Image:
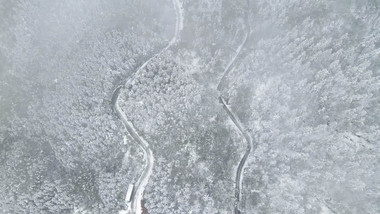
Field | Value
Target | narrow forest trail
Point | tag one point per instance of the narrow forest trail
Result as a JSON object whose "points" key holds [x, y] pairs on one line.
{"points": [[234, 118], [137, 195]]}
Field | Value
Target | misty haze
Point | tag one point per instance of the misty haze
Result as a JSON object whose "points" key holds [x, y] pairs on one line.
{"points": [[190, 106]]}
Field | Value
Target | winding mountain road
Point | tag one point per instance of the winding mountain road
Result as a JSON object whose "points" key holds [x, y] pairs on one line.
{"points": [[248, 139], [229, 67], [235, 119], [137, 195]]}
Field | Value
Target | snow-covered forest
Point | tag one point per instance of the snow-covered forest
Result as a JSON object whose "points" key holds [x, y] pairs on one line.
{"points": [[202, 106]]}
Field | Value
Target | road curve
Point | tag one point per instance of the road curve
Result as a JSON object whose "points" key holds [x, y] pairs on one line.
{"points": [[248, 139], [235, 119], [229, 67], [140, 185]]}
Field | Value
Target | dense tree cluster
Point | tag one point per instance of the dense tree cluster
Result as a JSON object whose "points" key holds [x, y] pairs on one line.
{"points": [[62, 142], [305, 86], [310, 94], [162, 92], [163, 102], [195, 180]]}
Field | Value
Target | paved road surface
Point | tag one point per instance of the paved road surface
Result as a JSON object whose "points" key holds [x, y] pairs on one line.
{"points": [[137, 195], [235, 120]]}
